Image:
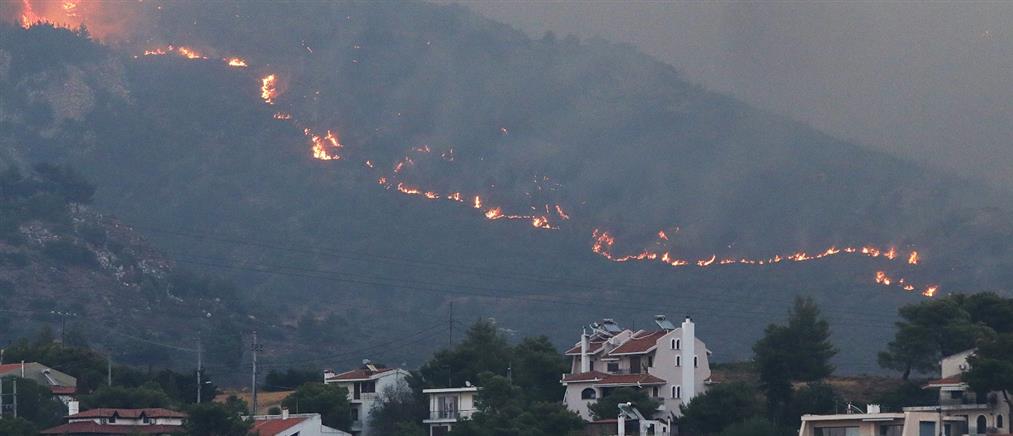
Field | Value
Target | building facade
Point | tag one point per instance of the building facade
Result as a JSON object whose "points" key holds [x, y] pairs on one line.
{"points": [[155, 421], [671, 364], [447, 406], [296, 424], [959, 411], [365, 385]]}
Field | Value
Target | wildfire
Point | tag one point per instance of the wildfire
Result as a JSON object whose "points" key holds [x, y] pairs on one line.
{"points": [[236, 62], [494, 213], [268, 89], [320, 145], [282, 116], [561, 213], [662, 235], [477, 202], [28, 16], [913, 258], [185, 52]]}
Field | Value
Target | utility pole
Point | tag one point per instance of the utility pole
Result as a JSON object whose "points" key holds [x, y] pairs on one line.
{"points": [[15, 380], [253, 389], [200, 366], [451, 324], [1, 397], [109, 370]]}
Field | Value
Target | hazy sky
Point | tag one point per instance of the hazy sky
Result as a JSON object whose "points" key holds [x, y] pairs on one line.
{"points": [[930, 81]]}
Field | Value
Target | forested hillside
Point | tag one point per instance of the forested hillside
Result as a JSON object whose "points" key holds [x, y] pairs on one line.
{"points": [[223, 178]]}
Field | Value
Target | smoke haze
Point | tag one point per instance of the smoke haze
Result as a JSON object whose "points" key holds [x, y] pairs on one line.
{"points": [[926, 81]]}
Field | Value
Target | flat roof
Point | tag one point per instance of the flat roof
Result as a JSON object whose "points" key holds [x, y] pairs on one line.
{"points": [[450, 390]]}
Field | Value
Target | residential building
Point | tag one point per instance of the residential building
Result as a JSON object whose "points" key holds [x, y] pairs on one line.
{"points": [[364, 386], [449, 405], [153, 421], [670, 363], [61, 385], [296, 424], [960, 411]]}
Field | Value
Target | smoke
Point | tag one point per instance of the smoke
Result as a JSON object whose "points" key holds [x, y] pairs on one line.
{"points": [[924, 81]]}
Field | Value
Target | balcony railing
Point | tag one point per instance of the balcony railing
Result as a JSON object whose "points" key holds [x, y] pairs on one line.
{"points": [[449, 414]]}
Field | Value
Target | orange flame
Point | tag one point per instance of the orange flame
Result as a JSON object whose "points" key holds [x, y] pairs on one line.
{"points": [[662, 235], [282, 116], [913, 258], [236, 62], [268, 89]]}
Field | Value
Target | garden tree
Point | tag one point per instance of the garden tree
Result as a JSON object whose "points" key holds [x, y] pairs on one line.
{"points": [[330, 401], [537, 367], [816, 398], [992, 367], [755, 426], [720, 406], [238, 406], [607, 407], [290, 379], [121, 397], [908, 394], [36, 403], [10, 426], [932, 329], [798, 351], [483, 349], [213, 419], [399, 409], [502, 410]]}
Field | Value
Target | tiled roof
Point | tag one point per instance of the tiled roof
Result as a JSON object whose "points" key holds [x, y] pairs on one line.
{"points": [[10, 367], [359, 374], [592, 348], [129, 413], [951, 380], [600, 378], [63, 390], [641, 342], [89, 427], [269, 427]]}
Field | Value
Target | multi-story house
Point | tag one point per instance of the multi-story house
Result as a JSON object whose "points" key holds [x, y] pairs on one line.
{"points": [[63, 386], [364, 386], [670, 363], [447, 406], [960, 411], [119, 421]]}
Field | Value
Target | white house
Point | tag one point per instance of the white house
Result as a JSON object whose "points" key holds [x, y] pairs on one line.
{"points": [[671, 363], [959, 412], [364, 386], [296, 424], [447, 406], [154, 421]]}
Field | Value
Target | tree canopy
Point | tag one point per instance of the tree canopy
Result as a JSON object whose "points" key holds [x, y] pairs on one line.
{"points": [[330, 401]]}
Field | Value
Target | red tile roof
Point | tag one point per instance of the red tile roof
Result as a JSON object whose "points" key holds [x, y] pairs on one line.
{"points": [[269, 427], [359, 374], [600, 378], [129, 413], [89, 427], [640, 343], [951, 380], [63, 390], [592, 348], [10, 367]]}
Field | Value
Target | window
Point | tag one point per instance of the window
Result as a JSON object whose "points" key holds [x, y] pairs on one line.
{"points": [[369, 387], [998, 421], [635, 365], [956, 395], [676, 391], [926, 428], [112, 419], [836, 431], [981, 425], [650, 361], [696, 362], [588, 394], [355, 414], [145, 419], [891, 430], [673, 345], [678, 360], [613, 367], [654, 392]]}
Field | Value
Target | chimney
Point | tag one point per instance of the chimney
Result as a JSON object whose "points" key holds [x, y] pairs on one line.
{"points": [[688, 351], [585, 360], [22, 369], [73, 408], [284, 413]]}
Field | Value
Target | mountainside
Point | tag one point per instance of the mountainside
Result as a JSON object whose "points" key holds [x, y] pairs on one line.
{"points": [[213, 163]]}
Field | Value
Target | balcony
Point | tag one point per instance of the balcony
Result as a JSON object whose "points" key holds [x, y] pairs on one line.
{"points": [[448, 415]]}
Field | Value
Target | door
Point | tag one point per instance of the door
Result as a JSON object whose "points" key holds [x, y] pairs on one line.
{"points": [[635, 365]]}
